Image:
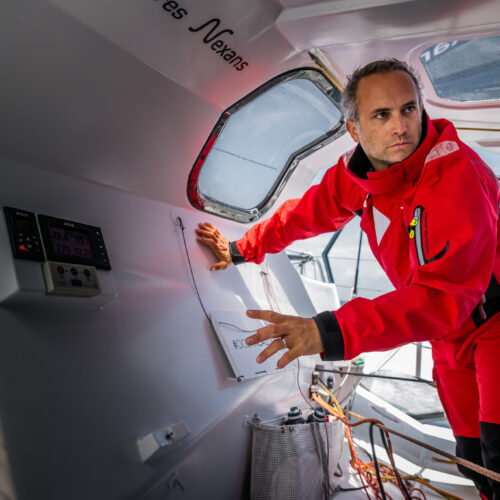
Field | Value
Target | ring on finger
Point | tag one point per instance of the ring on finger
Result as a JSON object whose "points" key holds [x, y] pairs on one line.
{"points": [[284, 342]]}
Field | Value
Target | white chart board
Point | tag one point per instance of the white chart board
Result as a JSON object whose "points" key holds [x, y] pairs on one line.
{"points": [[232, 328]]}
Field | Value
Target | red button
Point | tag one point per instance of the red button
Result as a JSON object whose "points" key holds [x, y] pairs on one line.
{"points": [[22, 247], [60, 270]]}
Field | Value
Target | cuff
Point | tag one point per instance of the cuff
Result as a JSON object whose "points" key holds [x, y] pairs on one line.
{"points": [[331, 336], [236, 256]]}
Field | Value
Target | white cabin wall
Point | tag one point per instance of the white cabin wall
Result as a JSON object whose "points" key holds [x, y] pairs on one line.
{"points": [[78, 388]]}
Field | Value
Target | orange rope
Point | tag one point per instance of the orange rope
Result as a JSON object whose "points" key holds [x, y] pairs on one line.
{"points": [[365, 470]]}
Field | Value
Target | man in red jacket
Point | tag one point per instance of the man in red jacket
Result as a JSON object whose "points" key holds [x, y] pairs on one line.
{"points": [[429, 207]]}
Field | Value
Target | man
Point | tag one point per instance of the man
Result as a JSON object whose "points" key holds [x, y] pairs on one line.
{"points": [[429, 207]]}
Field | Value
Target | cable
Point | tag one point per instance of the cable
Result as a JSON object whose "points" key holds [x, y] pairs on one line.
{"points": [[366, 472], [481, 470], [388, 448], [356, 488], [334, 399], [181, 225], [300, 388], [375, 461], [236, 327], [386, 361], [374, 375]]}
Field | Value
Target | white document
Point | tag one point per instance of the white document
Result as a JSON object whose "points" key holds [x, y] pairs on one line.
{"points": [[232, 328]]}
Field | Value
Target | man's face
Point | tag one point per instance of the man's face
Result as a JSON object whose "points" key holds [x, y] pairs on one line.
{"points": [[389, 118]]}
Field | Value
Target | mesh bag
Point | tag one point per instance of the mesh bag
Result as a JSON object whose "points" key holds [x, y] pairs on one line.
{"points": [[294, 462]]}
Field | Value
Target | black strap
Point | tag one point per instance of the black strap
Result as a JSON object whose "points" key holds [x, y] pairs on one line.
{"points": [[489, 304]]}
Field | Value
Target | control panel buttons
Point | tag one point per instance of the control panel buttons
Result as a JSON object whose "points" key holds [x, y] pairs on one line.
{"points": [[64, 279]]}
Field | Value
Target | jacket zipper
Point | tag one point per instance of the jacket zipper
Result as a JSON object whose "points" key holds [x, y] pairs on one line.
{"points": [[417, 228], [416, 233]]}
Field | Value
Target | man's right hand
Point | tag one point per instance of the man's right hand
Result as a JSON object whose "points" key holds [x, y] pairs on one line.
{"points": [[210, 236]]}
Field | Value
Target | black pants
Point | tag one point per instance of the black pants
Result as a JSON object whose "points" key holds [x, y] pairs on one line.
{"points": [[482, 451]]}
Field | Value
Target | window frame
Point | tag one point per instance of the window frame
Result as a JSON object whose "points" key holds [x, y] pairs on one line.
{"points": [[208, 204]]}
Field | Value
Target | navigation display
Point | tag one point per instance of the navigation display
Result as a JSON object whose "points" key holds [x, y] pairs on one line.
{"points": [[69, 242], [73, 242]]}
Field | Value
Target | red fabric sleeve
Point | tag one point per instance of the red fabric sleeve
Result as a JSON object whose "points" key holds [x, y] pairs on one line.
{"points": [[325, 207]]}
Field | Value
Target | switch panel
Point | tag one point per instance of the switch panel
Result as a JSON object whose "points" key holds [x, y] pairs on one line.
{"points": [[23, 234], [70, 279]]}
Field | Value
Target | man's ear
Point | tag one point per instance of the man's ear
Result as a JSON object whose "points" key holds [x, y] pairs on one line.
{"points": [[352, 129]]}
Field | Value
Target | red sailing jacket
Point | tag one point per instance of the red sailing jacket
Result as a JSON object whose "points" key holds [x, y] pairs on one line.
{"points": [[431, 222]]}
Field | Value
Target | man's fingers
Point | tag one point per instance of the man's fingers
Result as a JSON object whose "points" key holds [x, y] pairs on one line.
{"points": [[301, 335], [205, 225], [276, 346], [220, 266], [208, 242], [265, 333], [271, 316], [287, 358], [204, 233], [271, 349]]}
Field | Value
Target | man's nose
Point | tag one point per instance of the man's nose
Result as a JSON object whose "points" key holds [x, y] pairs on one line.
{"points": [[399, 124]]}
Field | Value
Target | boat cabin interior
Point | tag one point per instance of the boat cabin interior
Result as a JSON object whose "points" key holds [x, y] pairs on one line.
{"points": [[126, 123]]}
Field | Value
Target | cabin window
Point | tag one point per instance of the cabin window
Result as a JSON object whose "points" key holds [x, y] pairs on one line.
{"points": [[465, 70], [258, 142]]}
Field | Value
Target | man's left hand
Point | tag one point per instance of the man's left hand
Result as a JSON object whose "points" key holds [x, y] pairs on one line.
{"points": [[300, 336]]}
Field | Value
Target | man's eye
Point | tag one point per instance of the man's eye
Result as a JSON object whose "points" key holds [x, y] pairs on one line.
{"points": [[410, 109], [381, 116]]}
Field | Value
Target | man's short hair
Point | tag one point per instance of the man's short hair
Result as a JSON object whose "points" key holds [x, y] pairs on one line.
{"points": [[348, 103]]}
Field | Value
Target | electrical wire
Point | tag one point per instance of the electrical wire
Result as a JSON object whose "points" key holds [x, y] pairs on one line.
{"points": [[386, 360], [355, 461], [375, 462], [356, 488], [271, 297], [181, 226], [236, 327], [388, 448], [374, 375], [367, 470], [300, 388]]}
